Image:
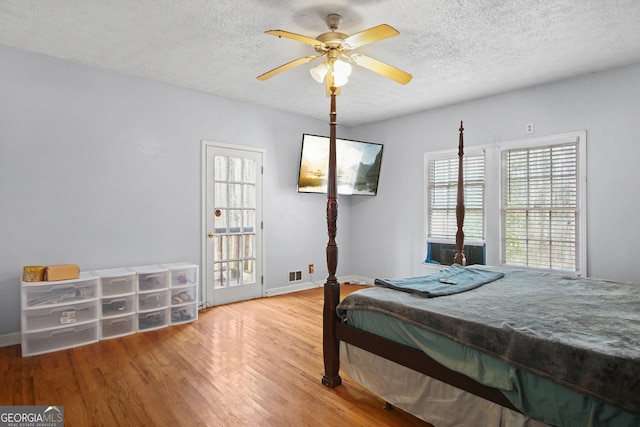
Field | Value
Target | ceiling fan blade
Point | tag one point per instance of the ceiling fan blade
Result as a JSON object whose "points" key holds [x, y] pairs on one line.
{"points": [[371, 35], [286, 66], [381, 68], [298, 37]]}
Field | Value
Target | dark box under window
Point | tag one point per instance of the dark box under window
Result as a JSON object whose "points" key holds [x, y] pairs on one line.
{"points": [[443, 253]]}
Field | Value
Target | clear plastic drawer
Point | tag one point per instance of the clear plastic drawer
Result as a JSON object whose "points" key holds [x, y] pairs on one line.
{"points": [[153, 300], [183, 274], [61, 292], [54, 317], [152, 320], [117, 281], [184, 295], [59, 339], [152, 278], [117, 326], [117, 306], [184, 313]]}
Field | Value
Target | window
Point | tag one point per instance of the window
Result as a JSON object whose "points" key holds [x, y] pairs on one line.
{"points": [[524, 202], [442, 184], [443, 191], [540, 212]]}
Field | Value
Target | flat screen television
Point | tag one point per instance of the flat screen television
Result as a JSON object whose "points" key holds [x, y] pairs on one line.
{"points": [[357, 166]]}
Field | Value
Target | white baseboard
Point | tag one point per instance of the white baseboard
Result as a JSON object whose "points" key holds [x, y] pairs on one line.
{"points": [[12, 338], [317, 284], [292, 288]]}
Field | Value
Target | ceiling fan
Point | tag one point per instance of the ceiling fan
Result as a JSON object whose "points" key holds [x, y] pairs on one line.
{"points": [[337, 48]]}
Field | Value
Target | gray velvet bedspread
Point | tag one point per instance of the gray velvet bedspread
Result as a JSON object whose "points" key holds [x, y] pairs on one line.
{"points": [[582, 333]]}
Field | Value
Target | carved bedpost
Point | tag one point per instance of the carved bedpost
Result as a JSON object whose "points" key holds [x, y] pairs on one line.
{"points": [[330, 343], [459, 258]]}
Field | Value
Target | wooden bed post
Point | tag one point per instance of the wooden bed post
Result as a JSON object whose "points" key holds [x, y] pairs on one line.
{"points": [[330, 344], [459, 258]]}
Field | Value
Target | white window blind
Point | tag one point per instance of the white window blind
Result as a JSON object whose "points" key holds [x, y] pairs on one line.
{"points": [[442, 197], [540, 206]]}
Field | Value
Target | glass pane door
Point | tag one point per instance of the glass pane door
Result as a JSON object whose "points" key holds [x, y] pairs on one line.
{"points": [[234, 223]]}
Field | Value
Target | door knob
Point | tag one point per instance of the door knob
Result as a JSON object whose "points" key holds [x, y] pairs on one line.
{"points": [[210, 235]]}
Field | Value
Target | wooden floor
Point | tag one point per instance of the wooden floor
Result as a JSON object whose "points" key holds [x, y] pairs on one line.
{"points": [[255, 363]]}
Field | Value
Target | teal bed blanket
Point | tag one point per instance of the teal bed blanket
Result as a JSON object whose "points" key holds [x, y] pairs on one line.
{"points": [[449, 281], [539, 398], [582, 334]]}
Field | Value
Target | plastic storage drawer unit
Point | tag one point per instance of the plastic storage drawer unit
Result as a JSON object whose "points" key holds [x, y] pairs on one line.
{"points": [[118, 306], [117, 281], [183, 274], [104, 304], [184, 313], [153, 300], [37, 294], [57, 316], [152, 320], [184, 295], [59, 339], [152, 277], [117, 326]]}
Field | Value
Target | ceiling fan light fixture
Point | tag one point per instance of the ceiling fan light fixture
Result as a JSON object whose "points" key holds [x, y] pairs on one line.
{"points": [[339, 80], [319, 72], [341, 72], [341, 68]]}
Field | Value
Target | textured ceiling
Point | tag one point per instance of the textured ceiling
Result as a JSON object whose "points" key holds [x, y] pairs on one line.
{"points": [[455, 50]]}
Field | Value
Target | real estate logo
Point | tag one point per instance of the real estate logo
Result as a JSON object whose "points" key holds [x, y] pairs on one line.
{"points": [[31, 416]]}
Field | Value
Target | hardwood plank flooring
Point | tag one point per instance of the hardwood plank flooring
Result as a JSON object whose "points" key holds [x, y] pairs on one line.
{"points": [[253, 363]]}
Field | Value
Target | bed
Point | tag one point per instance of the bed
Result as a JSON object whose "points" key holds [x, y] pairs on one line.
{"points": [[565, 352]]}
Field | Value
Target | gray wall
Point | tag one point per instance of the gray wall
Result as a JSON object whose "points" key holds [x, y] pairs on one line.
{"points": [[103, 170], [606, 105]]}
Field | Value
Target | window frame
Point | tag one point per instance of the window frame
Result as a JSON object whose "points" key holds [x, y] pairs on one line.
{"points": [[493, 195], [449, 155], [579, 138]]}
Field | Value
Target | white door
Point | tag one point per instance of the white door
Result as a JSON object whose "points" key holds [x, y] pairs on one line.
{"points": [[232, 220]]}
